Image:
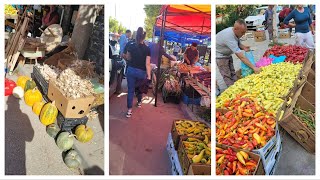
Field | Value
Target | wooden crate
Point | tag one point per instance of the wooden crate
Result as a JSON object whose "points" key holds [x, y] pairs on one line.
{"points": [[259, 170], [185, 162], [300, 132], [308, 92], [311, 77], [304, 104]]}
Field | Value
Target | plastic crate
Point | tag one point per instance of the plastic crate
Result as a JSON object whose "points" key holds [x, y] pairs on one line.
{"points": [[174, 159], [187, 100], [68, 124]]}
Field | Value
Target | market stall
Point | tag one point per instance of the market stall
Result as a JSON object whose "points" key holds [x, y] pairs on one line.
{"points": [[187, 19], [258, 104]]}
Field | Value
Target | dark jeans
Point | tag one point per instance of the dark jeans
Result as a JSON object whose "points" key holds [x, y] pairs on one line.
{"points": [[134, 77]]}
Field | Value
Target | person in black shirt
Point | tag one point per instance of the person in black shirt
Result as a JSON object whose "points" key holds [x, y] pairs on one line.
{"points": [[137, 55]]}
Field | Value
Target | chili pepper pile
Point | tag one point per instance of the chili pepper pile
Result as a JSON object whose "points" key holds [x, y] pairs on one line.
{"points": [[198, 151], [269, 86], [229, 162], [246, 125], [293, 53], [307, 117]]}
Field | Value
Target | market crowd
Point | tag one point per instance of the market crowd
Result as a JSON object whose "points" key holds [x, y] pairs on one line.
{"points": [[141, 57]]}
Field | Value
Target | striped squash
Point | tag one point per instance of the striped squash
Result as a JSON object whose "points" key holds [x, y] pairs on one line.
{"points": [[32, 96], [37, 106], [48, 114], [30, 84], [22, 81]]}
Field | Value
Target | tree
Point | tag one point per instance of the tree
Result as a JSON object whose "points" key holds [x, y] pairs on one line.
{"points": [[231, 13], [115, 26], [152, 11]]}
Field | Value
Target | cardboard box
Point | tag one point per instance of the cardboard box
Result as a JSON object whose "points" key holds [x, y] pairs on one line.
{"points": [[259, 170], [69, 108], [259, 36], [308, 92], [294, 99], [300, 132], [199, 169], [185, 162], [284, 35], [176, 136]]}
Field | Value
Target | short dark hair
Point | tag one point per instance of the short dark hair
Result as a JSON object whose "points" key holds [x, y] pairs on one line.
{"points": [[128, 31], [194, 44], [241, 22]]}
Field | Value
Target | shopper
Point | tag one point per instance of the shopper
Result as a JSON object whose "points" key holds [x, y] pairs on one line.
{"points": [[303, 26], [157, 50], [176, 49], [228, 43], [124, 38], [191, 55], [283, 14], [269, 21], [137, 55]]}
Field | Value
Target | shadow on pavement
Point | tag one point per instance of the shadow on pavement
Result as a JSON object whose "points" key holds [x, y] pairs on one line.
{"points": [[18, 131], [95, 170]]}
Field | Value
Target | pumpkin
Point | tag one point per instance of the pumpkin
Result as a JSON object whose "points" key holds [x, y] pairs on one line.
{"points": [[22, 81], [84, 133], [65, 141], [37, 106], [18, 92], [72, 159], [30, 84], [53, 130], [48, 114], [32, 96]]}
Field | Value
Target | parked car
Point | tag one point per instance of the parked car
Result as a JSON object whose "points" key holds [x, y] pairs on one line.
{"points": [[258, 17]]}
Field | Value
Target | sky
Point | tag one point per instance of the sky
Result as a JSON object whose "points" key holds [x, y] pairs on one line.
{"points": [[131, 16]]}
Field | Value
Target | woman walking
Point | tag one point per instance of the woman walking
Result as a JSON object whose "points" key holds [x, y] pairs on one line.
{"points": [[303, 26], [137, 55]]}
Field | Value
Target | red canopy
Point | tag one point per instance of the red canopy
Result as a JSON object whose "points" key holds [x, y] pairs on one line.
{"points": [[190, 19]]}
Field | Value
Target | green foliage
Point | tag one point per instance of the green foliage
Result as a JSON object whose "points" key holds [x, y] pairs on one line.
{"points": [[152, 11], [115, 26], [231, 13]]}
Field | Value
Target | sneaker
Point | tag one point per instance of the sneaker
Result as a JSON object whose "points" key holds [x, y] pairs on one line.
{"points": [[129, 114], [139, 104]]}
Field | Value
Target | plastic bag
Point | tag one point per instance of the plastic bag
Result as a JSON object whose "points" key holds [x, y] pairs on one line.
{"points": [[246, 70], [277, 59], [264, 61]]}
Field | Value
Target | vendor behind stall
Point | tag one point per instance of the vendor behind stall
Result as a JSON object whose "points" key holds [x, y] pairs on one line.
{"points": [[191, 55], [227, 43]]}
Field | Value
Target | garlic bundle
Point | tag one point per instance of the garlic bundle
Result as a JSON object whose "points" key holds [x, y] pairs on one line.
{"points": [[48, 72], [72, 86]]}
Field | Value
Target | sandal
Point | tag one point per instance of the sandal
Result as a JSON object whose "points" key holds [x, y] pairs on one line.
{"points": [[139, 104], [129, 114]]}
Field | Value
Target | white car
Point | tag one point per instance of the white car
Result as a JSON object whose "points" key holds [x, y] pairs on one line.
{"points": [[258, 18]]}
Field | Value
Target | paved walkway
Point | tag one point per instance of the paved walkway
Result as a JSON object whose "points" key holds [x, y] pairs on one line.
{"points": [[138, 144], [29, 150]]}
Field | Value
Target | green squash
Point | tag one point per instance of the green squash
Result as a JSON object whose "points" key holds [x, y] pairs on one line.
{"points": [[53, 130], [65, 141], [72, 159], [30, 84]]}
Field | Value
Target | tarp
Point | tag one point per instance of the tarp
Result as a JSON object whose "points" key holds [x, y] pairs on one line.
{"points": [[182, 37], [189, 19]]}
